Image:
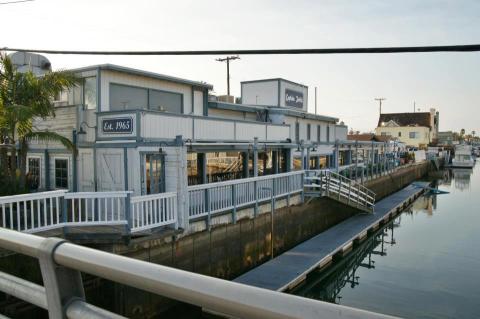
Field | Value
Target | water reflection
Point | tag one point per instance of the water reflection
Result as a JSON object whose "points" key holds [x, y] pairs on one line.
{"points": [[459, 176], [328, 285]]}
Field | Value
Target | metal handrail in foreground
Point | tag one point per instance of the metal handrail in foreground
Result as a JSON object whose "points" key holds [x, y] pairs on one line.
{"points": [[60, 259]]}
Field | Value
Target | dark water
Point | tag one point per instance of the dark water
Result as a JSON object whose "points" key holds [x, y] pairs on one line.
{"points": [[424, 264]]}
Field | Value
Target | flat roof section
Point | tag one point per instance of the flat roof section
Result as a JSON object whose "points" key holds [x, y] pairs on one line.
{"points": [[274, 79], [254, 108]]}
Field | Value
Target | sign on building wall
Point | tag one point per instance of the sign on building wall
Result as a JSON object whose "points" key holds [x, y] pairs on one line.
{"points": [[121, 125], [293, 98]]}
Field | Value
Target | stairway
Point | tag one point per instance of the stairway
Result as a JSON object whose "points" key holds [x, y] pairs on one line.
{"points": [[319, 183]]}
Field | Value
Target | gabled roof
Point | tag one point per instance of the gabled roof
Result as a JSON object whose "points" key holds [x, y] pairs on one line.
{"points": [[406, 119], [123, 69]]}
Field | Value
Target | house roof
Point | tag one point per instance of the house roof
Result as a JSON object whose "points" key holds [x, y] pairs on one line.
{"points": [[123, 69], [369, 137], [406, 119]]}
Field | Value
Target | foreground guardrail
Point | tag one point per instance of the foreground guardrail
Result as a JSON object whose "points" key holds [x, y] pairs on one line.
{"points": [[64, 297]]}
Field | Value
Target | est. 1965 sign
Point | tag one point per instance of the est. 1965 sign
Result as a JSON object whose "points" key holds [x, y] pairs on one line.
{"points": [[122, 125], [293, 98]]}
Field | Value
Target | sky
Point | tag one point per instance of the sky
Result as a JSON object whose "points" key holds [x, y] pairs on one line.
{"points": [[347, 84]]}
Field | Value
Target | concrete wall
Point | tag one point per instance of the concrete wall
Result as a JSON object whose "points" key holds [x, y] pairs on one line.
{"points": [[385, 185]]}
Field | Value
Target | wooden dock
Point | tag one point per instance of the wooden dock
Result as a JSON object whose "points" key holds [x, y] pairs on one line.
{"points": [[291, 268]]}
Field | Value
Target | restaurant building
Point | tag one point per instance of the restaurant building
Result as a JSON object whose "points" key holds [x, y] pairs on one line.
{"points": [[149, 133]]}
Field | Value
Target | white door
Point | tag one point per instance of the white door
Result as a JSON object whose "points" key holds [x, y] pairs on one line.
{"points": [[85, 170], [110, 170]]}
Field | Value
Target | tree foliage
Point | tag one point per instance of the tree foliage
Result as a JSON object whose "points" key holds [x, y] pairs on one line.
{"points": [[24, 97]]}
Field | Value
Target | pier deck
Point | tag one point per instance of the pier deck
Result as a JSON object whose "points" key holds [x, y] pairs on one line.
{"points": [[290, 268]]}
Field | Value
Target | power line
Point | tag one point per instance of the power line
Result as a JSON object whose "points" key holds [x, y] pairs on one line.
{"points": [[376, 50], [12, 2]]}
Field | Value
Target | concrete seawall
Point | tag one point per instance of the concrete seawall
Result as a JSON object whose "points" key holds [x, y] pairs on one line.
{"points": [[226, 251]]}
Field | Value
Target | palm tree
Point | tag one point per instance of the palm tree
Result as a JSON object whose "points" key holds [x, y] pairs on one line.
{"points": [[24, 97]]}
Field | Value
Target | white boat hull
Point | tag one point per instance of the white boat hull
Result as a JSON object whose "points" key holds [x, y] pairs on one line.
{"points": [[468, 164]]}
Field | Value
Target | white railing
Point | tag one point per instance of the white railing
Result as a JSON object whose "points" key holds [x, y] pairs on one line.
{"points": [[38, 212], [154, 210], [212, 198], [95, 208], [32, 212], [340, 187]]}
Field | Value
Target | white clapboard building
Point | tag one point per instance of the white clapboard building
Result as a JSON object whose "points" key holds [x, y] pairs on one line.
{"points": [[150, 133]]}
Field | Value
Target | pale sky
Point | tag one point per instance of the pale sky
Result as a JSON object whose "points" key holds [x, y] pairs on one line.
{"points": [[347, 85]]}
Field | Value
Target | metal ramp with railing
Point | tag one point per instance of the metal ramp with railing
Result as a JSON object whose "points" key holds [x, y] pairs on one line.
{"points": [[319, 183]]}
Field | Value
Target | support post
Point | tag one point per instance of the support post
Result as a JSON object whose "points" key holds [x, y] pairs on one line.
{"points": [[128, 213], [234, 204], [208, 208], [275, 161], [307, 162], [245, 164], [62, 285], [255, 157]]}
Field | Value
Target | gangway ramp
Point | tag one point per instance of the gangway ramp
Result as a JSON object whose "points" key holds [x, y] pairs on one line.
{"points": [[319, 183], [291, 268]]}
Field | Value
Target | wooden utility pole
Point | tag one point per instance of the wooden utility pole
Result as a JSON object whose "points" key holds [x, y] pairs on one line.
{"points": [[380, 99], [227, 59]]}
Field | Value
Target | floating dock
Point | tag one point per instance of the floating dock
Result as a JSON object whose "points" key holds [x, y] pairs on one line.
{"points": [[291, 268]]}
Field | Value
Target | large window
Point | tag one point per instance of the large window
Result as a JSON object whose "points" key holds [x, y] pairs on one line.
{"points": [[328, 133], [319, 135], [224, 166], [33, 176], [89, 93], [123, 97], [165, 101], [309, 131], [61, 173]]}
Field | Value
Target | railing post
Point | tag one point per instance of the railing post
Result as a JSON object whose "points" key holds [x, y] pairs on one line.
{"points": [[64, 215], [303, 187], [128, 212], [288, 191], [234, 203], [62, 285], [208, 207], [255, 210], [349, 191]]}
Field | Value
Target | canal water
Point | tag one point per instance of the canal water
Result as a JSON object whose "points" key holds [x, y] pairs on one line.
{"points": [[424, 264]]}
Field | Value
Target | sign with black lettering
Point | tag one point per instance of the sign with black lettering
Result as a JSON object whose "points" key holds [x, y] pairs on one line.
{"points": [[120, 125], [293, 98]]}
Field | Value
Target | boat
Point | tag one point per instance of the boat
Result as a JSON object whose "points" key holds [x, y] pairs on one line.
{"points": [[463, 156]]}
